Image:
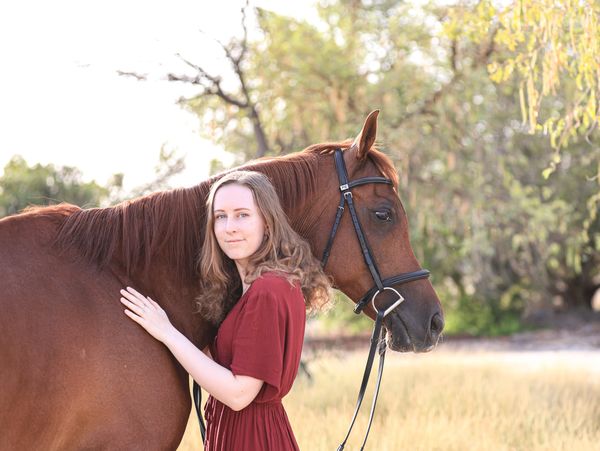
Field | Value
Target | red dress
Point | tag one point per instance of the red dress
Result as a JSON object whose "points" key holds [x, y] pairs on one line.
{"points": [[261, 337]]}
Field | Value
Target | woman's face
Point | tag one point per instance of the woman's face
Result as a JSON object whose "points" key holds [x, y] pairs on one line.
{"points": [[239, 226]]}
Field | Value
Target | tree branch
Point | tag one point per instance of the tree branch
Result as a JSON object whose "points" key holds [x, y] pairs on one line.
{"points": [[236, 52], [483, 56], [139, 77]]}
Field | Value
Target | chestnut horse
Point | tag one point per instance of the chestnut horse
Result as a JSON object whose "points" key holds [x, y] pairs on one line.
{"points": [[75, 373]]}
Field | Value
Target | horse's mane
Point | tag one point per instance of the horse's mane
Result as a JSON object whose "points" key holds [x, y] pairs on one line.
{"points": [[170, 224], [166, 223]]}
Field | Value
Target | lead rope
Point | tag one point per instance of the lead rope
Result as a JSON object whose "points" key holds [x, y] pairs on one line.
{"points": [[376, 339]]}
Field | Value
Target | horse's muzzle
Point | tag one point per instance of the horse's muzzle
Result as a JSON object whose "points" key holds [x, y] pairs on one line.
{"points": [[402, 337]]}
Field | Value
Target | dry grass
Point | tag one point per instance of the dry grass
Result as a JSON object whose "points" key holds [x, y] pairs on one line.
{"points": [[451, 401]]}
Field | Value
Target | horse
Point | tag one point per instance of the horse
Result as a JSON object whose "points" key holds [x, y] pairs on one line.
{"points": [[77, 374]]}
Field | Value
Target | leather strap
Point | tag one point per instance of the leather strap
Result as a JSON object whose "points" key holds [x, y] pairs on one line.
{"points": [[382, 348], [346, 198], [366, 250], [395, 280], [197, 392], [336, 224], [367, 180], [377, 337]]}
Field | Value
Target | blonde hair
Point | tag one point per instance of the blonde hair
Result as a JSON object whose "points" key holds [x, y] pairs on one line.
{"points": [[282, 250]]}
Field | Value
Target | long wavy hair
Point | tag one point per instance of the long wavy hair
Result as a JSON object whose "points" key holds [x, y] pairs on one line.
{"points": [[282, 251]]}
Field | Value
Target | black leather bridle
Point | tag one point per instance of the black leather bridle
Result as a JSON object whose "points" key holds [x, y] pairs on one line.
{"points": [[378, 335], [346, 198], [381, 285]]}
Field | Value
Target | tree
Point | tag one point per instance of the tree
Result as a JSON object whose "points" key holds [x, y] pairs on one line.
{"points": [[553, 49], [502, 241], [170, 163], [215, 102], [22, 186]]}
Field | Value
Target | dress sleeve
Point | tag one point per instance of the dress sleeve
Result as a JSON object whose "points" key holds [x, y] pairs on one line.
{"points": [[259, 342]]}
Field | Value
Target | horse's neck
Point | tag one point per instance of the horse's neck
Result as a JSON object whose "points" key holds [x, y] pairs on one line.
{"points": [[170, 275], [176, 297], [306, 213]]}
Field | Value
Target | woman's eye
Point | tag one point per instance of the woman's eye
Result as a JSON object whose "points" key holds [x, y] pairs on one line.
{"points": [[383, 215], [219, 216]]}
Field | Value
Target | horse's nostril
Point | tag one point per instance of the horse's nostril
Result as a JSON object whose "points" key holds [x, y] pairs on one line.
{"points": [[437, 324]]}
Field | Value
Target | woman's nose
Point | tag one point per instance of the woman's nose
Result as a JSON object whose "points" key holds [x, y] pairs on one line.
{"points": [[230, 226]]}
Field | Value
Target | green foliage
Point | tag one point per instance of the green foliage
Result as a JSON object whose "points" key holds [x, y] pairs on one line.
{"points": [[342, 319], [22, 186], [472, 316], [553, 48]]}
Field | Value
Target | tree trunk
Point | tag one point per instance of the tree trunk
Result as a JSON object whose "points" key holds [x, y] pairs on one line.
{"points": [[259, 133]]}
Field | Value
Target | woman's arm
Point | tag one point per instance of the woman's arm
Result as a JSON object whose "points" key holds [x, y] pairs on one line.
{"points": [[234, 391]]}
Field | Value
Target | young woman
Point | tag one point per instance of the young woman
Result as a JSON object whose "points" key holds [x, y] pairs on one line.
{"points": [[255, 269]]}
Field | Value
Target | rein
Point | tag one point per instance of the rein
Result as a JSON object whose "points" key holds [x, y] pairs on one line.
{"points": [[381, 285], [197, 392]]}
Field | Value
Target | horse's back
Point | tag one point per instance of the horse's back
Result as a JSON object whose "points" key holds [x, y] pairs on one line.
{"points": [[72, 363]]}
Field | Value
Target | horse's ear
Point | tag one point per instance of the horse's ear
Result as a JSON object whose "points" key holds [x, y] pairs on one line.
{"points": [[367, 135]]}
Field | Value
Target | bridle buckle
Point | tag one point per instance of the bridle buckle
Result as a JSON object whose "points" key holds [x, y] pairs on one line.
{"points": [[391, 307]]}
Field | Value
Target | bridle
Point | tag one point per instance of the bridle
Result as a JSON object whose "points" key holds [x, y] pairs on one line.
{"points": [[381, 285], [346, 198], [377, 337]]}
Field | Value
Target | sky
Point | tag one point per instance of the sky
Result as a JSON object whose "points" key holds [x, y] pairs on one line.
{"points": [[62, 101]]}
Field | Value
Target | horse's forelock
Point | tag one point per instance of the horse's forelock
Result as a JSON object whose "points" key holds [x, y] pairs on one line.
{"points": [[379, 159], [385, 165]]}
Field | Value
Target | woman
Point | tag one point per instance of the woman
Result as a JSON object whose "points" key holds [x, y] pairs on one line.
{"points": [[250, 253]]}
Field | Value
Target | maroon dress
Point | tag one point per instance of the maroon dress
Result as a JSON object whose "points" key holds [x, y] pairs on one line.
{"points": [[261, 337]]}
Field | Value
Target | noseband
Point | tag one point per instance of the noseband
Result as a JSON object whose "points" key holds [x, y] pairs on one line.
{"points": [[378, 335]]}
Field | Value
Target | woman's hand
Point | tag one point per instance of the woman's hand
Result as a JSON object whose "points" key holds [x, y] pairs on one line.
{"points": [[147, 314]]}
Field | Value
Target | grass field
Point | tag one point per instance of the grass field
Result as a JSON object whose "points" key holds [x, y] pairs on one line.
{"points": [[450, 401]]}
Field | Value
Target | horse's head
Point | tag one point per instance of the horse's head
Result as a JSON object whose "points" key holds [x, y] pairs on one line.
{"points": [[377, 229]]}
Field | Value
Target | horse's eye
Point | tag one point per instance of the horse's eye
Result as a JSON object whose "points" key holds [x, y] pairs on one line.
{"points": [[383, 215]]}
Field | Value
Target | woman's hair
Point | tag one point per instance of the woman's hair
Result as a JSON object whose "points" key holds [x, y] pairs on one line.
{"points": [[282, 250]]}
